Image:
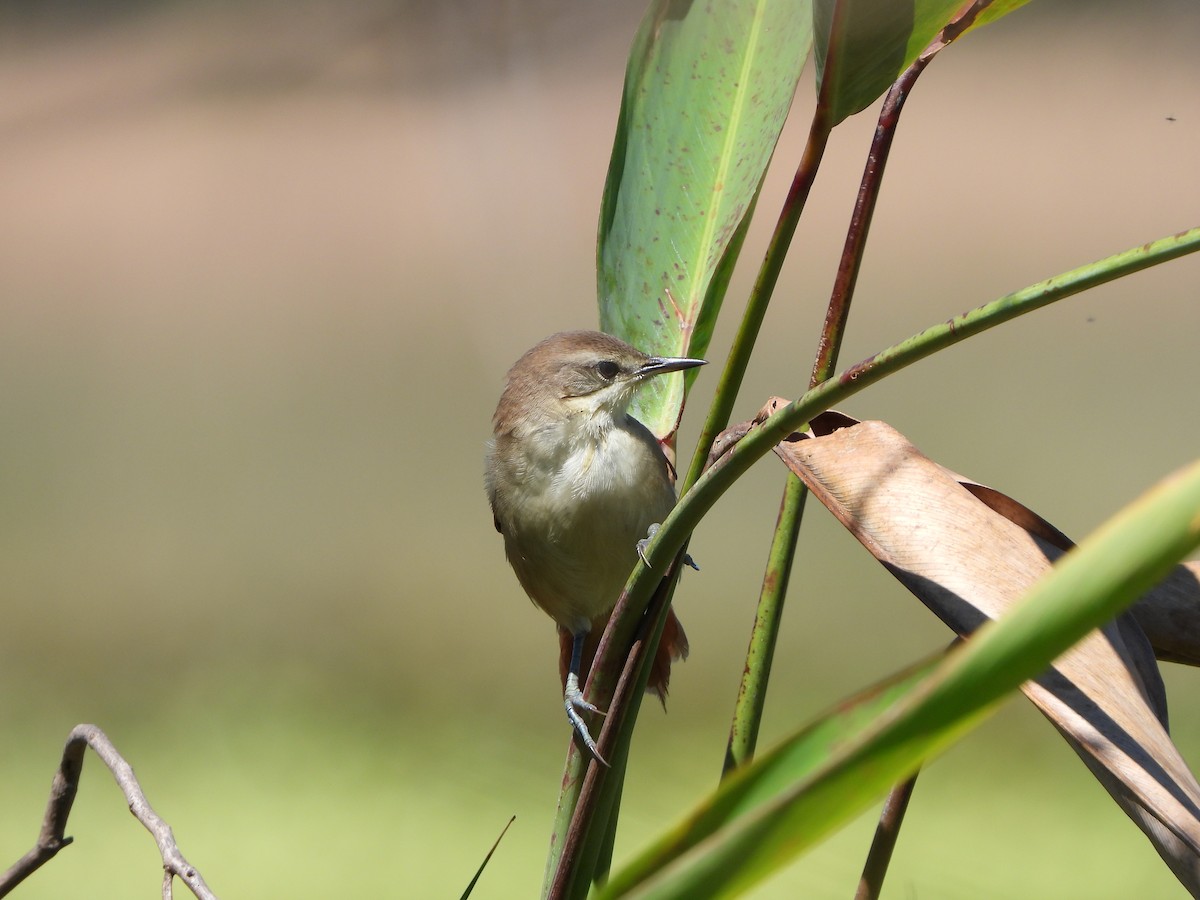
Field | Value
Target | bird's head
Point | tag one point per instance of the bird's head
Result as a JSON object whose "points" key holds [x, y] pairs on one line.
{"points": [[585, 374]]}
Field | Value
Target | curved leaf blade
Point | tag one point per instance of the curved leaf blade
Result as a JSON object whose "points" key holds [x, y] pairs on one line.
{"points": [[707, 91]]}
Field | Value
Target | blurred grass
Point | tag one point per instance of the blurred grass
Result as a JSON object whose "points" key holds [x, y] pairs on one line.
{"points": [[260, 284]]}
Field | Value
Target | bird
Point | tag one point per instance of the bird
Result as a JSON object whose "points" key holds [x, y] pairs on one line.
{"points": [[576, 484]]}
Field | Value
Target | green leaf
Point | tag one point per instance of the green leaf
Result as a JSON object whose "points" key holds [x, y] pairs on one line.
{"points": [[862, 46], [997, 9], [707, 91], [822, 777]]}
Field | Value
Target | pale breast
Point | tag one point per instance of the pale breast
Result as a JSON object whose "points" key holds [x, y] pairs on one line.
{"points": [[571, 536]]}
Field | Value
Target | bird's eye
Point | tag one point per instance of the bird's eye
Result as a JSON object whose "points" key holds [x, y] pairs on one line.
{"points": [[607, 369]]}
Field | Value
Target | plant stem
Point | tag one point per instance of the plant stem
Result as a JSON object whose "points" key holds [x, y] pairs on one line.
{"points": [[748, 710], [886, 834], [760, 296], [762, 437], [752, 692], [587, 800]]}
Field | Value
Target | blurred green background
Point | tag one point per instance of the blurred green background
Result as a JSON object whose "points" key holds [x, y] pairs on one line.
{"points": [[262, 269]]}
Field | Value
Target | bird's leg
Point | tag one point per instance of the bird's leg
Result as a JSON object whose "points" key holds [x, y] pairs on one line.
{"points": [[645, 542], [573, 698]]}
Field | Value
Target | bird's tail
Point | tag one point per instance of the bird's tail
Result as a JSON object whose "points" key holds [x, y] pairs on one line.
{"points": [[672, 646]]}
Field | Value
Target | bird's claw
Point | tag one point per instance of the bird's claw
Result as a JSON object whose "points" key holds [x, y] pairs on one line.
{"points": [[645, 542], [574, 701]]}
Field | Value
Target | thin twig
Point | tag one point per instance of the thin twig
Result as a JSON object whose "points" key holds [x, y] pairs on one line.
{"points": [[51, 839]]}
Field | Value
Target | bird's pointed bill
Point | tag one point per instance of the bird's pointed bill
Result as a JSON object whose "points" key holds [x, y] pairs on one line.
{"points": [[660, 365]]}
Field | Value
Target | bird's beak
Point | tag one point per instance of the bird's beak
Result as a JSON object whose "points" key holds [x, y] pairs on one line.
{"points": [[660, 365]]}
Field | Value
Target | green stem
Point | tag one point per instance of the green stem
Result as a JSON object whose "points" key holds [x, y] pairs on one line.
{"points": [[748, 709], [758, 442], [760, 297], [752, 693]]}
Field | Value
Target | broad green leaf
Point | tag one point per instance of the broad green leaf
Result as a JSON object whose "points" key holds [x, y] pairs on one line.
{"points": [[707, 91], [822, 777], [862, 46]]}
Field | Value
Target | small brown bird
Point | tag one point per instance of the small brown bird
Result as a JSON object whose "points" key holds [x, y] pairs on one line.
{"points": [[575, 483]]}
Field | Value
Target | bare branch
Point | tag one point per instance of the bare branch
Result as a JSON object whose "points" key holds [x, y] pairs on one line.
{"points": [[51, 838]]}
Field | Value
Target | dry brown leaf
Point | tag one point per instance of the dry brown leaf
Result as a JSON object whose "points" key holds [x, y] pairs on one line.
{"points": [[968, 552], [1169, 615]]}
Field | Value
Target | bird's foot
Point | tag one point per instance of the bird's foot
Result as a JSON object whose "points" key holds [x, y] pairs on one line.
{"points": [[645, 542], [574, 701]]}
